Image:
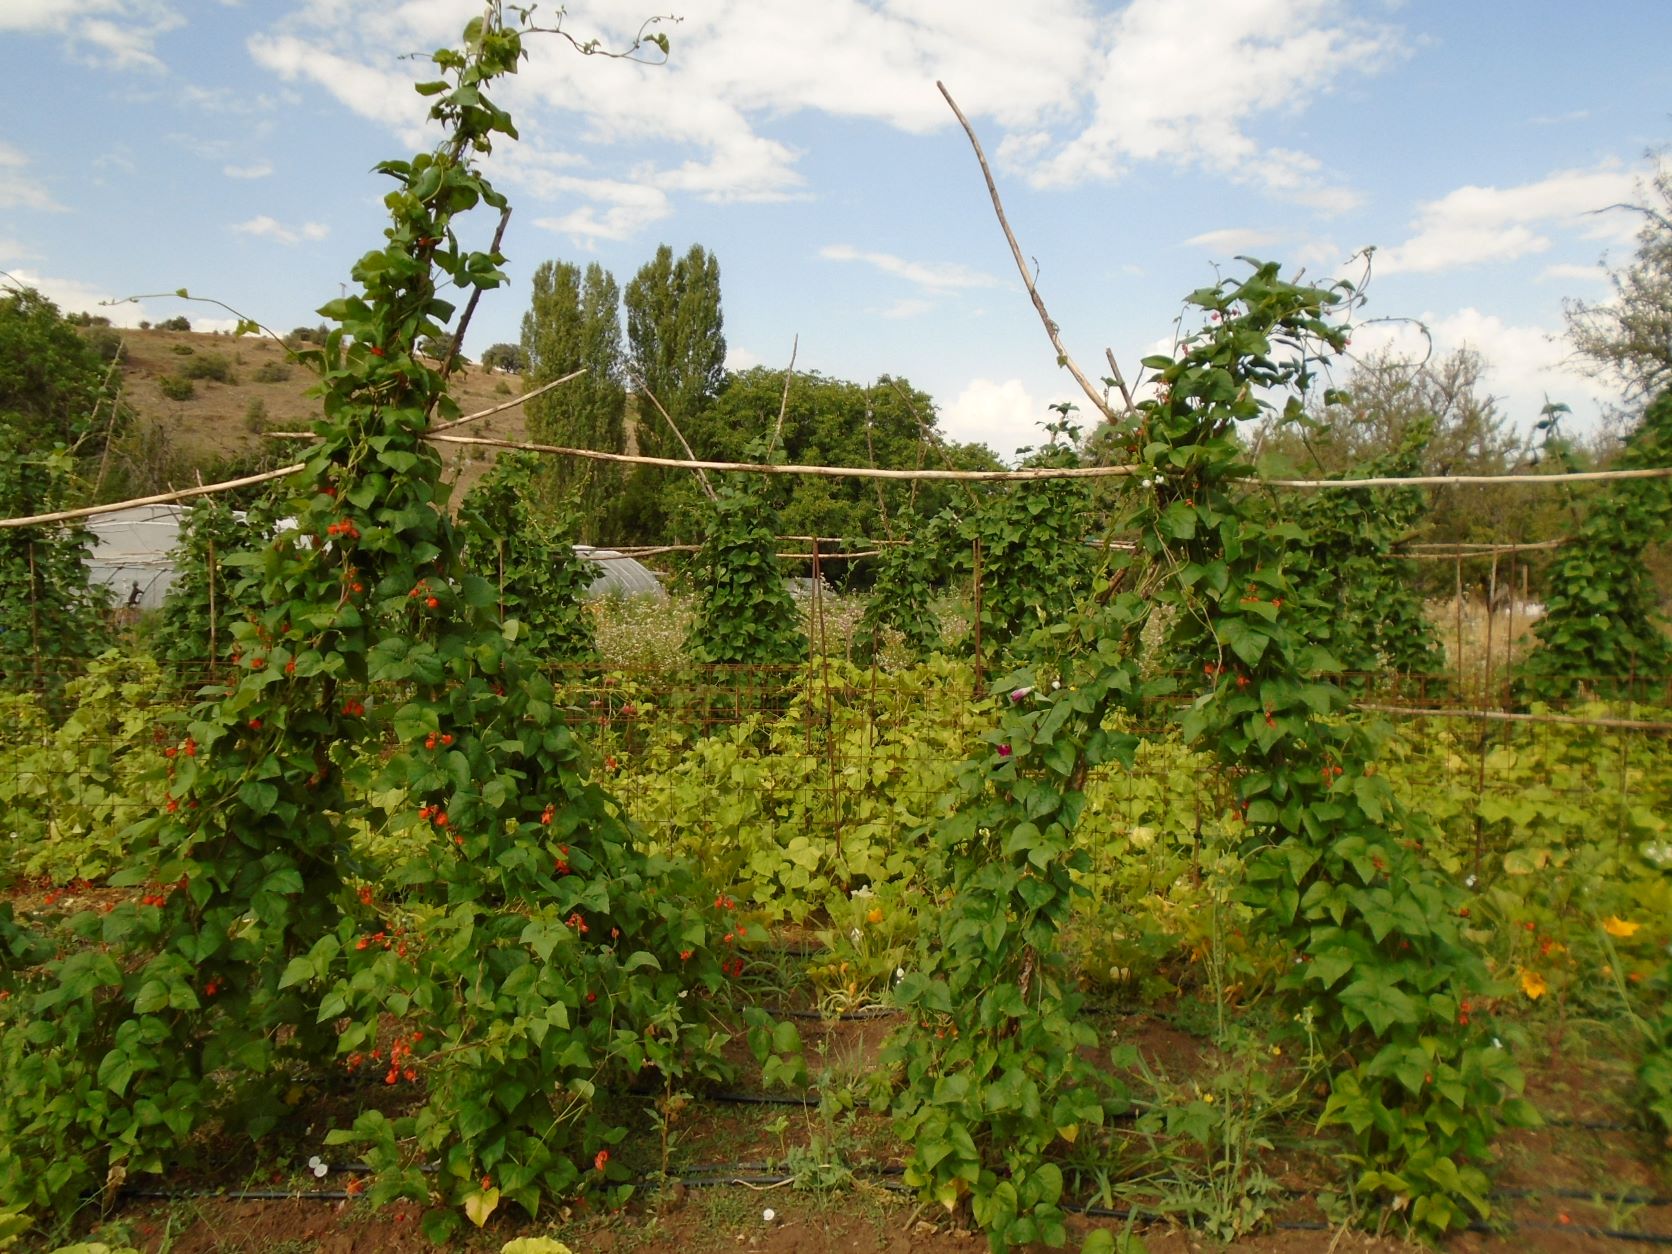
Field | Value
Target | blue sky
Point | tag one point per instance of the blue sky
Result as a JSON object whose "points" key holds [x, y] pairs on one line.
{"points": [[148, 145]]}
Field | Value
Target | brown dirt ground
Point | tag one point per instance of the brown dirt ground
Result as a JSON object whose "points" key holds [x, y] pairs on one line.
{"points": [[1556, 1179]]}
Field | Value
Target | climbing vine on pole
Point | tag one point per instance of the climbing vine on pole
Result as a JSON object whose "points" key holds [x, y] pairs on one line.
{"points": [[529, 958], [1602, 624], [1377, 967]]}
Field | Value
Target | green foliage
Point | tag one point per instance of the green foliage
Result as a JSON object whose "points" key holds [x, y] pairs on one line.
{"points": [[1602, 626], [176, 387], [272, 372], [48, 612], [1035, 560], [676, 350], [74, 786], [510, 358], [826, 422], [537, 957], [902, 599], [51, 379], [1381, 973], [744, 613], [201, 605], [529, 561], [1346, 567], [216, 367], [177, 323], [574, 323]]}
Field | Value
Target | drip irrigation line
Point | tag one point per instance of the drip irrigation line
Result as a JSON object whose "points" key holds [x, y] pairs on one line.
{"points": [[761, 1176], [762, 1099]]}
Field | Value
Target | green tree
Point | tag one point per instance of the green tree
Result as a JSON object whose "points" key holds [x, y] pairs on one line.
{"points": [[829, 422], [676, 351], [574, 322], [507, 357], [52, 381]]}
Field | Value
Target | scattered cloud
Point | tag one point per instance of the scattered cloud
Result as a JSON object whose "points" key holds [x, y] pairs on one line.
{"points": [[263, 226], [933, 276], [1182, 84], [121, 34], [1558, 119], [1004, 415], [1473, 225], [909, 307], [619, 209], [1567, 272], [1072, 94], [1229, 240], [1523, 365], [740, 358], [16, 190], [255, 170]]}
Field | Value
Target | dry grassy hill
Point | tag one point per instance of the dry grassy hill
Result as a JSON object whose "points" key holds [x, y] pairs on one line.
{"points": [[263, 391]]}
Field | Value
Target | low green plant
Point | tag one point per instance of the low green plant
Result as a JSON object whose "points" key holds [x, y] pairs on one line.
{"points": [[176, 387]]}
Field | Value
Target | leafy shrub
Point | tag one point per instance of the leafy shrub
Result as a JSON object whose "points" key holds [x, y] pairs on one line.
{"points": [[255, 416], [272, 372], [106, 342], [175, 324], [212, 366], [176, 388]]}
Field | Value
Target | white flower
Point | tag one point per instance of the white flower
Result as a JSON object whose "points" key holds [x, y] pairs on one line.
{"points": [[1469, 883], [864, 890], [1020, 694], [856, 936], [1055, 684], [317, 1165], [1496, 1043], [899, 974], [768, 1215]]}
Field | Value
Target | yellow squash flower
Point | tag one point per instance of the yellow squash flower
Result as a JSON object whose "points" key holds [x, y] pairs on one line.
{"points": [[1532, 984], [1614, 925]]}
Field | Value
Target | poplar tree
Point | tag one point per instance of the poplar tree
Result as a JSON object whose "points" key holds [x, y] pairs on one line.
{"points": [[676, 350], [574, 321]]}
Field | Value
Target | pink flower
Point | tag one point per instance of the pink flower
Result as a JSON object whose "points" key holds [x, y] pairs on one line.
{"points": [[1004, 751]]}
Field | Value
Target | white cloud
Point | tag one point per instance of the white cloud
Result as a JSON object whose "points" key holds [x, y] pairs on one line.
{"points": [[14, 250], [933, 276], [1154, 81], [1567, 272], [1003, 416], [255, 170], [1232, 239], [1482, 224], [16, 191], [118, 33], [382, 94], [740, 358], [1180, 83], [271, 228], [621, 209], [908, 307]]}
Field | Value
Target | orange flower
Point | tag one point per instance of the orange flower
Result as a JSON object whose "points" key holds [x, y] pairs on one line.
{"points": [[1620, 928]]}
